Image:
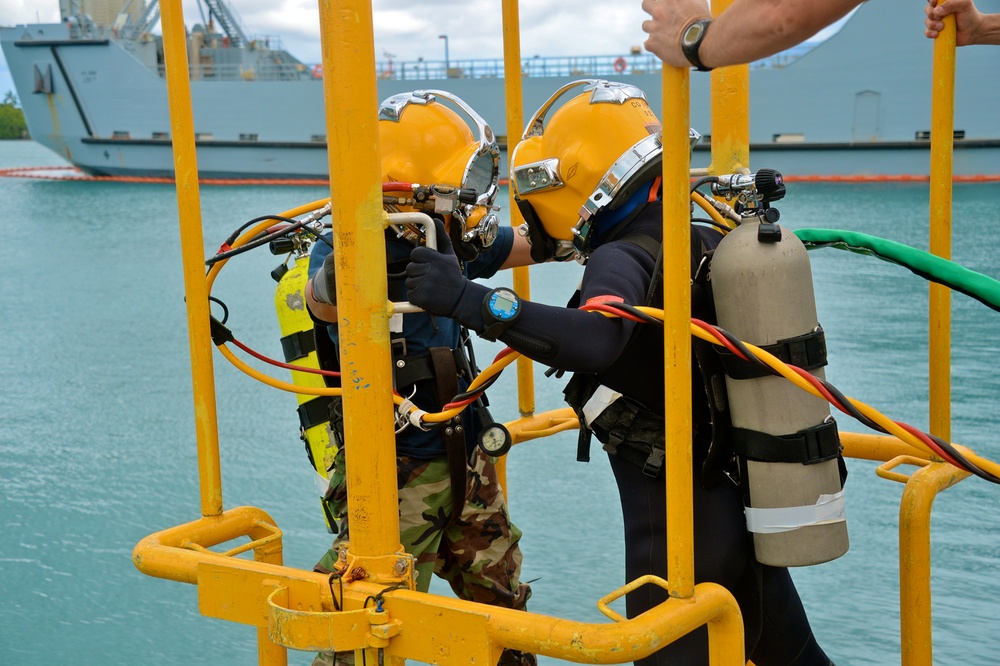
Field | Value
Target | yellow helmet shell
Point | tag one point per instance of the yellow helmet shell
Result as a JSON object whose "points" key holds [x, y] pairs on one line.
{"points": [[424, 141], [588, 152]]}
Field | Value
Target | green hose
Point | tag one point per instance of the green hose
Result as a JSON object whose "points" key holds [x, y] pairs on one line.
{"points": [[983, 288]]}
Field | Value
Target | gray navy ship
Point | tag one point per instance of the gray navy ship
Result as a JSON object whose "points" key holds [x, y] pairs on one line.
{"points": [[856, 105]]}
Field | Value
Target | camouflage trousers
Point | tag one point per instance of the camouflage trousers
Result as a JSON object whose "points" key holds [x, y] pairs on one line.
{"points": [[477, 552]]}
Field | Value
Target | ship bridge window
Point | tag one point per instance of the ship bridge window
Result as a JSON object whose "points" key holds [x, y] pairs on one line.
{"points": [[248, 137], [161, 135], [120, 134], [791, 137], [925, 135]]}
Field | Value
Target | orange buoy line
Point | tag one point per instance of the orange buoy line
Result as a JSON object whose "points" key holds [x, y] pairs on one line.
{"points": [[72, 173], [890, 178]]}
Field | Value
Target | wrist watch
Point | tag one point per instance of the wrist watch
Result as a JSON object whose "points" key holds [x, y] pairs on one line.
{"points": [[691, 40], [500, 309]]}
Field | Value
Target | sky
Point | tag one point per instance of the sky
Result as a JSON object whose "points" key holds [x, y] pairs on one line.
{"points": [[409, 29]]}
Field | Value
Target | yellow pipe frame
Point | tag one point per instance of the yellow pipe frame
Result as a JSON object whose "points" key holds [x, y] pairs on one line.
{"points": [[311, 611], [356, 198], [942, 144], [730, 106], [676, 331], [192, 247], [922, 488], [515, 121], [296, 607], [515, 125]]}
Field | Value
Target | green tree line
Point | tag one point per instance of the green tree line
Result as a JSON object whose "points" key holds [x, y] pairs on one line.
{"points": [[12, 125]]}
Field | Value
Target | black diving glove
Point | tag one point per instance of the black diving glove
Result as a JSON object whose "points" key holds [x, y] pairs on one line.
{"points": [[434, 280], [324, 282]]}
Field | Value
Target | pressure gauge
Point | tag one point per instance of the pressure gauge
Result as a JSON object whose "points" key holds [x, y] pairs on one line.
{"points": [[495, 440]]}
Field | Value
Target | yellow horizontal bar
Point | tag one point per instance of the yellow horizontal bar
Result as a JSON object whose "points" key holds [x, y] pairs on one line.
{"points": [[222, 580], [542, 425]]}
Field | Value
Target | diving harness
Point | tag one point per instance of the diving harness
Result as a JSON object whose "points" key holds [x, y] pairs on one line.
{"points": [[305, 341]]}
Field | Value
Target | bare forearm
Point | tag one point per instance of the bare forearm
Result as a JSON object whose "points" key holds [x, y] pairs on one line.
{"points": [[748, 30], [320, 310], [753, 29], [520, 253]]}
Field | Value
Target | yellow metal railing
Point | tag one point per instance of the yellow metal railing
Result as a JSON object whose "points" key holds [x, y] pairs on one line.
{"points": [[370, 603]]}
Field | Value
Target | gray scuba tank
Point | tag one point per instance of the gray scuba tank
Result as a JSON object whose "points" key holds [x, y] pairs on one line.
{"points": [[763, 293]]}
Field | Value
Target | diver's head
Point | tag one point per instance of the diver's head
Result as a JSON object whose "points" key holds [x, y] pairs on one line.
{"points": [[425, 141], [589, 157]]}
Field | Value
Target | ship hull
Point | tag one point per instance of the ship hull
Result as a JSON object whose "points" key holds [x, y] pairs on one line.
{"points": [[857, 105]]}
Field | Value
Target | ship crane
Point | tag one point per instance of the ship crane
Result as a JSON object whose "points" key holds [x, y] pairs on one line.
{"points": [[148, 19], [229, 21]]}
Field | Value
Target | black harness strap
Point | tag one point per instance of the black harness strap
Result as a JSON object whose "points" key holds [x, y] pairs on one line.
{"points": [[453, 434], [415, 368]]}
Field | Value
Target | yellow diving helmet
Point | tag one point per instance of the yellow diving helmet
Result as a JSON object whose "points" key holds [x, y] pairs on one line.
{"points": [[591, 155], [425, 142]]}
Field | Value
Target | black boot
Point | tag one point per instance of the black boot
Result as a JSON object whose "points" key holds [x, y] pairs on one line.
{"points": [[516, 658]]}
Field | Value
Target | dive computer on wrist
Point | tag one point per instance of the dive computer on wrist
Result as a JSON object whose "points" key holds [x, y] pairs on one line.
{"points": [[500, 309], [691, 40]]}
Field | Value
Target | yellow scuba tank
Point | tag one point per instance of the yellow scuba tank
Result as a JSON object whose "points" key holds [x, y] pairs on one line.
{"points": [[298, 343], [785, 438]]}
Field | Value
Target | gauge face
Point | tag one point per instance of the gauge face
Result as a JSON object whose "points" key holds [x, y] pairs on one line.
{"points": [[503, 304], [495, 440]]}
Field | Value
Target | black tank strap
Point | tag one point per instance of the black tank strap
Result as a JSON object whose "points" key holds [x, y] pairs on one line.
{"points": [[811, 445], [806, 351], [298, 345], [314, 412]]}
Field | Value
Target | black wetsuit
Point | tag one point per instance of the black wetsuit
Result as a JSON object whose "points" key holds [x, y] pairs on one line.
{"points": [[621, 353]]}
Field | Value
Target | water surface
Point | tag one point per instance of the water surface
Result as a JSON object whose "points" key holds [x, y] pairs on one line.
{"points": [[97, 447]]}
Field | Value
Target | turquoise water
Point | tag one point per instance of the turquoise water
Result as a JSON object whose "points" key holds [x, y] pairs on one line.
{"points": [[97, 445]]}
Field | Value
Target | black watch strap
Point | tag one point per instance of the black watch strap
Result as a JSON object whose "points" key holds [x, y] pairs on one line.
{"points": [[691, 40]]}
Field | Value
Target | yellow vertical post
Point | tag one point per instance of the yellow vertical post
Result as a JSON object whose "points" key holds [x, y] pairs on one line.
{"points": [[192, 250], [351, 99], [676, 330], [515, 124], [730, 104], [942, 142], [915, 507]]}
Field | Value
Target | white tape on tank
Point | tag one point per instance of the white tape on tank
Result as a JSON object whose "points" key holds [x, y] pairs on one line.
{"points": [[827, 509]]}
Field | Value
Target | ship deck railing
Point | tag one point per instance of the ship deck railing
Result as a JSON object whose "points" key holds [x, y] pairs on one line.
{"points": [[606, 66]]}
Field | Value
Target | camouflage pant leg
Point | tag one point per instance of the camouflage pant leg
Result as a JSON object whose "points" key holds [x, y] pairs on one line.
{"points": [[424, 512], [424, 492], [479, 555], [336, 504]]}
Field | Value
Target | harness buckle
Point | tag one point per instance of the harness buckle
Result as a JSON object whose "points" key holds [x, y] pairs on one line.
{"points": [[654, 463]]}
